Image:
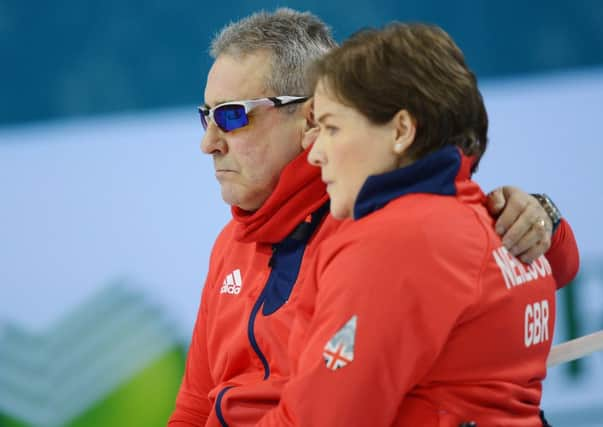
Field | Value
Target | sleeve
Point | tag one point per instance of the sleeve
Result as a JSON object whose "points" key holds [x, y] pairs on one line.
{"points": [[192, 404], [563, 255], [382, 317]]}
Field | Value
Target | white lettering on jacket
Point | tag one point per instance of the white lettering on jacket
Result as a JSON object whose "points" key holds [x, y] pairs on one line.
{"points": [[536, 323], [515, 272]]}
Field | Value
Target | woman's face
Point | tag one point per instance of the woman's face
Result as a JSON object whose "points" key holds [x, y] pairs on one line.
{"points": [[348, 149]]}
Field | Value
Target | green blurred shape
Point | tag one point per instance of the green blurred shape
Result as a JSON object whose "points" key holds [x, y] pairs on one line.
{"points": [[147, 400], [6, 421]]}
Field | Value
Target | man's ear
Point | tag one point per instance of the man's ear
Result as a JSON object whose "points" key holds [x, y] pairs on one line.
{"points": [[310, 130], [308, 111], [405, 130]]}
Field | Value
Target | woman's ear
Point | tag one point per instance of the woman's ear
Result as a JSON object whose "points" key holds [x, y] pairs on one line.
{"points": [[405, 129]]}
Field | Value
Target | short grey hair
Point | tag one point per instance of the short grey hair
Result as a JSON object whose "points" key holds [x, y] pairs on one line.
{"points": [[294, 40]]}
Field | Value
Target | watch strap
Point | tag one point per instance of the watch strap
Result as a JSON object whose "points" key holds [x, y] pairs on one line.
{"points": [[550, 208]]}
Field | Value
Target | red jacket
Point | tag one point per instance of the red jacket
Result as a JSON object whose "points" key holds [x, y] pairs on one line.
{"points": [[418, 315], [238, 361]]}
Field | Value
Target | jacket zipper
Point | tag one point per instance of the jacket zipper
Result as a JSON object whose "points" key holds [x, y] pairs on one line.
{"points": [[219, 413], [251, 325], [254, 345]]}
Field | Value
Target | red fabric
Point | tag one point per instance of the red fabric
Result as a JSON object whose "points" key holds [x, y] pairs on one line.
{"points": [[563, 255], [299, 191], [441, 330], [220, 353]]}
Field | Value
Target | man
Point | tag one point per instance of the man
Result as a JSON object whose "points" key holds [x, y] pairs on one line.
{"points": [[237, 362]]}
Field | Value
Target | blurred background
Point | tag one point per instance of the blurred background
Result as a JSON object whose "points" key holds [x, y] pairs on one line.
{"points": [[108, 209]]}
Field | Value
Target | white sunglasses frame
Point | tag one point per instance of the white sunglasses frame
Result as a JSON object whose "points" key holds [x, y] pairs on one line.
{"points": [[249, 105]]}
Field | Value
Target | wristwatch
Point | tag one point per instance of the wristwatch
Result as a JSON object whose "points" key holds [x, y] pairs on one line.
{"points": [[550, 208]]}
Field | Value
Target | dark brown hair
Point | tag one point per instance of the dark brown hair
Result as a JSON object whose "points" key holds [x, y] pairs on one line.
{"points": [[415, 67]]}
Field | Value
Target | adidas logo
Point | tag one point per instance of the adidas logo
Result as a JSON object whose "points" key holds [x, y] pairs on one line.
{"points": [[232, 284]]}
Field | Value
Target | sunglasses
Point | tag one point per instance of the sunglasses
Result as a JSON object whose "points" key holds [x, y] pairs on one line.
{"points": [[235, 115]]}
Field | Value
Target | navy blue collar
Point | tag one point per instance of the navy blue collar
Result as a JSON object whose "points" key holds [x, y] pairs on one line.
{"points": [[434, 174]]}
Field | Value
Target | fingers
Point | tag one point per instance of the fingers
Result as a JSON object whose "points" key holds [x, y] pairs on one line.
{"points": [[496, 201], [535, 251], [534, 243], [531, 218], [516, 201], [528, 227], [524, 225], [531, 238]]}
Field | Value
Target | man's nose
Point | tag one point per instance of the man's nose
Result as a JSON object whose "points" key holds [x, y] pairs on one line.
{"points": [[213, 140]]}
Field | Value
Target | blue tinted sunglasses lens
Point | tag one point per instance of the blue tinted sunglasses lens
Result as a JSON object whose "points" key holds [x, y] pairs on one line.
{"points": [[231, 117]]}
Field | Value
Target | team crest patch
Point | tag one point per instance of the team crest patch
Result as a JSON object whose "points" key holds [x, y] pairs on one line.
{"points": [[339, 351]]}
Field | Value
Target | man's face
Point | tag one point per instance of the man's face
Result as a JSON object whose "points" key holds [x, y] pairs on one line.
{"points": [[249, 160]]}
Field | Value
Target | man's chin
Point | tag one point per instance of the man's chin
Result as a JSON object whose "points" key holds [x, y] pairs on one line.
{"points": [[233, 198]]}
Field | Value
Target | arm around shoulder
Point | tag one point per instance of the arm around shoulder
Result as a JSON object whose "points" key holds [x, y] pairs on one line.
{"points": [[564, 255]]}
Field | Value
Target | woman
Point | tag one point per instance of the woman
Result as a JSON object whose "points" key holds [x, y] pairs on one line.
{"points": [[454, 332]]}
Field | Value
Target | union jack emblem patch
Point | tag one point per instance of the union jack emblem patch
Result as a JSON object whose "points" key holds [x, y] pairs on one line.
{"points": [[339, 351]]}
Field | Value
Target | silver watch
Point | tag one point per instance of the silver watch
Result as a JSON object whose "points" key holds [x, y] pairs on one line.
{"points": [[550, 208]]}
